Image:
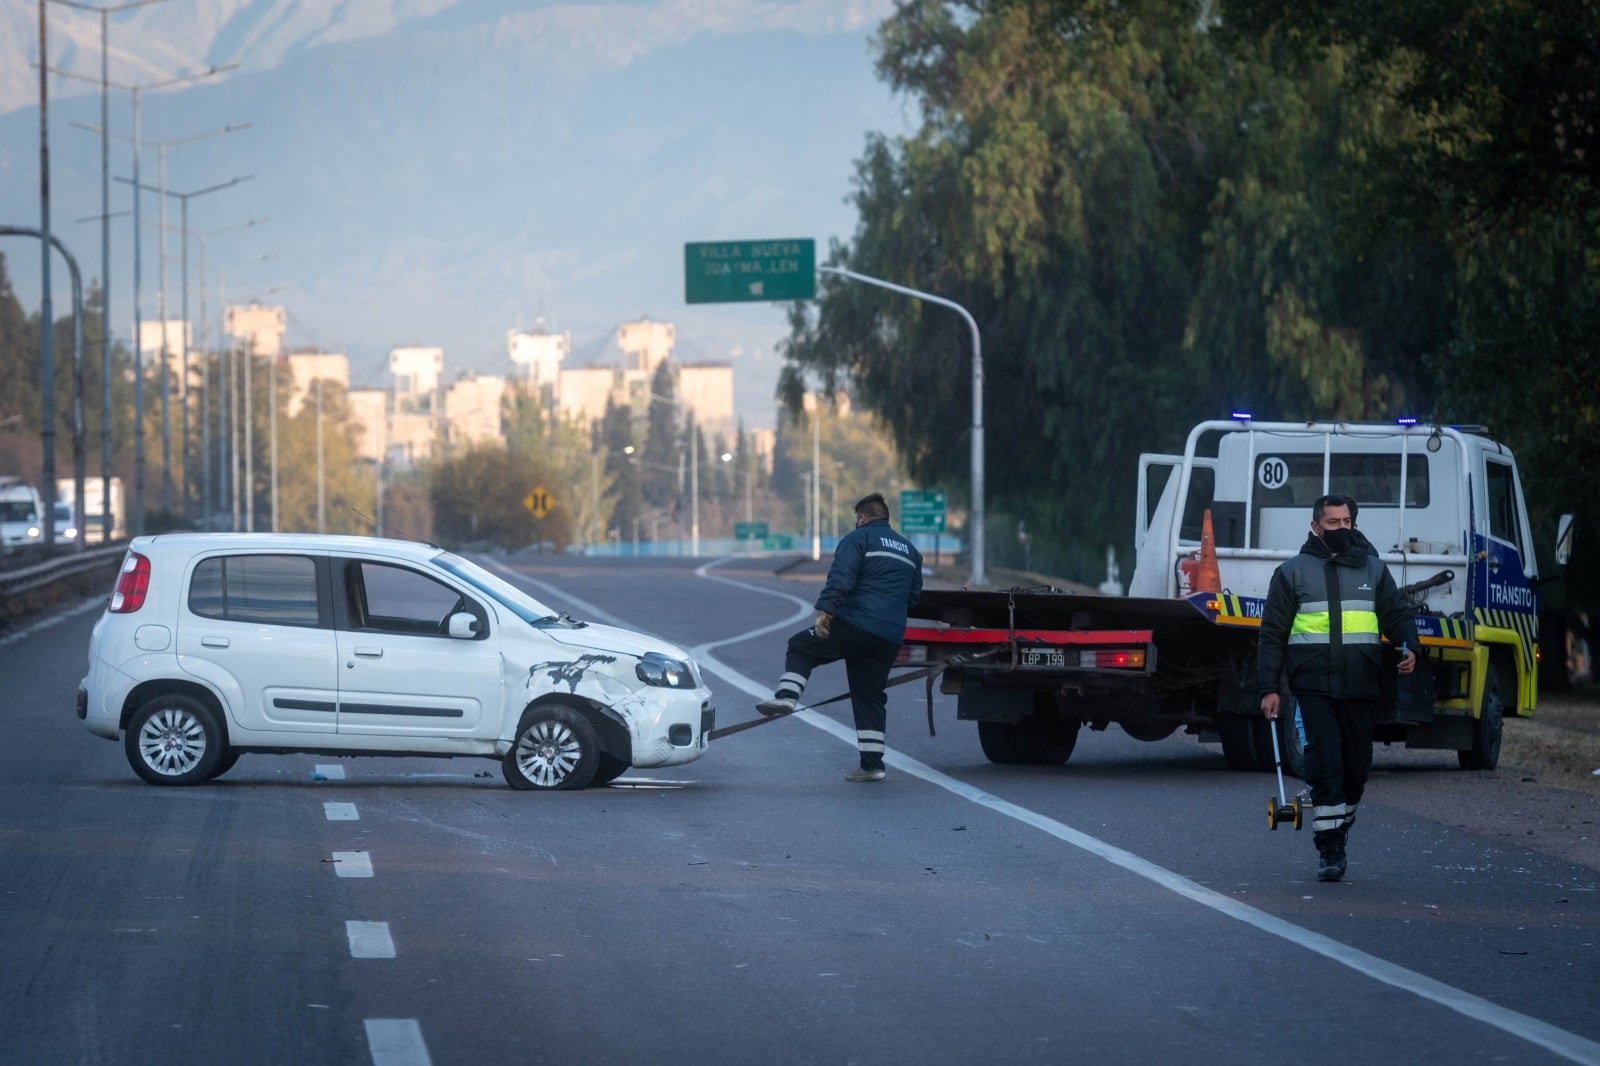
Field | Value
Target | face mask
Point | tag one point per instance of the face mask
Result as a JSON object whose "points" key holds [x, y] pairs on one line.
{"points": [[1337, 540]]}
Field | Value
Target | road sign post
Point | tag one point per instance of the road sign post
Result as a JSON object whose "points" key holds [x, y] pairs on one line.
{"points": [[749, 271], [922, 511]]}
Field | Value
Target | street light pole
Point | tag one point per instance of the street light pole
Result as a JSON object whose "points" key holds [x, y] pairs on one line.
{"points": [[138, 350], [183, 389], [105, 245], [979, 576]]}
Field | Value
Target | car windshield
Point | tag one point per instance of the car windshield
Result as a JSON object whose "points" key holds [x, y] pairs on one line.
{"points": [[17, 511], [501, 591], [63, 512]]}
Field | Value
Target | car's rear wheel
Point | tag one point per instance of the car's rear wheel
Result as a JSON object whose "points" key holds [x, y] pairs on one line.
{"points": [[174, 740], [555, 748]]}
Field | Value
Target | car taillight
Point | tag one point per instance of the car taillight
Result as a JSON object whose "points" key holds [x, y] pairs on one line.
{"points": [[132, 584]]}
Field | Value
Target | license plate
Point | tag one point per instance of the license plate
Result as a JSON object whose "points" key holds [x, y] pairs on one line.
{"points": [[1043, 656]]}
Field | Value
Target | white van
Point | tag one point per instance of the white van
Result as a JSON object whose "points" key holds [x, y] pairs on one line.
{"points": [[21, 509]]}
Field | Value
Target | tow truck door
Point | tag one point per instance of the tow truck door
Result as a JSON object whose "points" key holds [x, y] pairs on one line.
{"points": [[1503, 563], [1167, 528]]}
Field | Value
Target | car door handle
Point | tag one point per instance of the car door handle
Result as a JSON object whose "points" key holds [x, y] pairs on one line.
{"points": [[213, 642], [368, 652]]}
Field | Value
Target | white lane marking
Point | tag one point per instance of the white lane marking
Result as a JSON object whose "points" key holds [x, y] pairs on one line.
{"points": [[369, 940], [352, 864], [329, 771], [341, 812], [396, 1042], [96, 604], [1556, 1040]]}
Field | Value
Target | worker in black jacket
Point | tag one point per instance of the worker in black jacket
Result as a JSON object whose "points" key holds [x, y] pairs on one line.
{"points": [[861, 618], [1327, 611]]}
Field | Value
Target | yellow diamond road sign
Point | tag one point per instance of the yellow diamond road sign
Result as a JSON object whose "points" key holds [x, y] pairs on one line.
{"points": [[539, 502]]}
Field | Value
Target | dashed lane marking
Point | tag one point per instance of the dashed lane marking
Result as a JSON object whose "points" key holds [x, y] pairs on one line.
{"points": [[352, 864], [396, 1042], [341, 812], [328, 772], [369, 940]]}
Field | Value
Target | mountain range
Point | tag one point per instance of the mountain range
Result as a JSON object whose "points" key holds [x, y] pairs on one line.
{"points": [[429, 172]]}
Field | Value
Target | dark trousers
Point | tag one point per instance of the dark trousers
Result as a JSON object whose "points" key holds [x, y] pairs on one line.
{"points": [[867, 660], [1338, 741]]}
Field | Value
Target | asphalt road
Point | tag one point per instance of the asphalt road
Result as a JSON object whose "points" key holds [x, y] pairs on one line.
{"points": [[752, 906]]}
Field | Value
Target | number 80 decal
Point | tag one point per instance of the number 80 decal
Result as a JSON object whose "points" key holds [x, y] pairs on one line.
{"points": [[1273, 472]]}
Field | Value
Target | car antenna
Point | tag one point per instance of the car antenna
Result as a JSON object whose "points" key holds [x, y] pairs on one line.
{"points": [[377, 530]]}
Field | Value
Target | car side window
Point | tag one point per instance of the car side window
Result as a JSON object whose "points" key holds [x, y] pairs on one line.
{"points": [[395, 599], [278, 590]]}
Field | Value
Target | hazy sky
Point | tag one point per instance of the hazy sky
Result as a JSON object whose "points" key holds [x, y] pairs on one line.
{"points": [[437, 173]]}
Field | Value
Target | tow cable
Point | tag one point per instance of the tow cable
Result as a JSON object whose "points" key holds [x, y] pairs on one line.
{"points": [[928, 673]]}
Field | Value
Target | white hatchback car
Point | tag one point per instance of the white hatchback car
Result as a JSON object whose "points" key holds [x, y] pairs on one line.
{"points": [[220, 644]]}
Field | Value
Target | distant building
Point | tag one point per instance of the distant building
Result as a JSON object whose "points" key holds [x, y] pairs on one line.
{"points": [[258, 327], [176, 335], [472, 410], [370, 409], [707, 390], [306, 368], [645, 344], [540, 352], [583, 392], [416, 374]]}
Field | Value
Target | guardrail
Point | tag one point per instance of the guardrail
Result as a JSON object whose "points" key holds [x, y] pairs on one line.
{"points": [[61, 568]]}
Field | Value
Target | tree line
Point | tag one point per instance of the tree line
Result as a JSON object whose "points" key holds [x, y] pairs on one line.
{"points": [[1161, 212]]}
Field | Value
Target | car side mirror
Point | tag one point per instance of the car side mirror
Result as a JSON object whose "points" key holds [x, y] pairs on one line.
{"points": [[463, 625], [1563, 540]]}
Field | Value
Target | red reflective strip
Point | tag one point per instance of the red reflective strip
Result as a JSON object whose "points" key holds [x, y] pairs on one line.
{"points": [[921, 635]]}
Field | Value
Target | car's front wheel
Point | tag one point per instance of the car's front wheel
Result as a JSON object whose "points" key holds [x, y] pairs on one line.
{"points": [[174, 740], [555, 748]]}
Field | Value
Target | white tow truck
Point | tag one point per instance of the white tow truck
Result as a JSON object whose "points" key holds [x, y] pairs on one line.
{"points": [[1444, 507]]}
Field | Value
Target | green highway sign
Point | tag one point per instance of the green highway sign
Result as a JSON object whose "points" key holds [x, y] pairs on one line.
{"points": [[750, 530], [749, 271], [781, 543], [921, 511]]}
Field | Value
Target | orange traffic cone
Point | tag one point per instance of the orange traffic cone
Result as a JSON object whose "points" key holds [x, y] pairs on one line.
{"points": [[1207, 578]]}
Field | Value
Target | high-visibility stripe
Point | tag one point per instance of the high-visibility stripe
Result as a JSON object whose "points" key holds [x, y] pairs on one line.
{"points": [[1358, 621], [869, 734], [870, 747], [896, 556], [1310, 622], [1327, 818]]}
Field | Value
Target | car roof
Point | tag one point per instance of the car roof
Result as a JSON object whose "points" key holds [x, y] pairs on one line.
{"points": [[285, 542]]}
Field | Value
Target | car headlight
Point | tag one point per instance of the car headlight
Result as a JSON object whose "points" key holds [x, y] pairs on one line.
{"points": [[656, 669]]}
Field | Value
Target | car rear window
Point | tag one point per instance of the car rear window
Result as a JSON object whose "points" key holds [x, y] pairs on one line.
{"points": [[268, 589]]}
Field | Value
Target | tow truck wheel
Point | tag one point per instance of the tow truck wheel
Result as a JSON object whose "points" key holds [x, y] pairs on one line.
{"points": [[1486, 731], [1048, 739], [1000, 742]]}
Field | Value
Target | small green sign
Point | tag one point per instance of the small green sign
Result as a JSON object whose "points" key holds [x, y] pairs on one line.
{"points": [[781, 543], [921, 511], [750, 530], [749, 271]]}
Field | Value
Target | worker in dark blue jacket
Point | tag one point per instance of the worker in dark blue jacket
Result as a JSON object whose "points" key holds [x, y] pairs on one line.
{"points": [[861, 618]]}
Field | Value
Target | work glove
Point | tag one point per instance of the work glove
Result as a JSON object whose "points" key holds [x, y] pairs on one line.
{"points": [[823, 624]]}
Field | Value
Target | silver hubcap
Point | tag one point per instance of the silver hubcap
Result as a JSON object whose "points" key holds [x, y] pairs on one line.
{"points": [[547, 753], [172, 742]]}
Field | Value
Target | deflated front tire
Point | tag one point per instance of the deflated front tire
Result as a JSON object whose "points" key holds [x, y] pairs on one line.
{"points": [[555, 748]]}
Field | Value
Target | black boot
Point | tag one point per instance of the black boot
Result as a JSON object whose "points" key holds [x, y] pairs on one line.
{"points": [[1331, 863]]}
